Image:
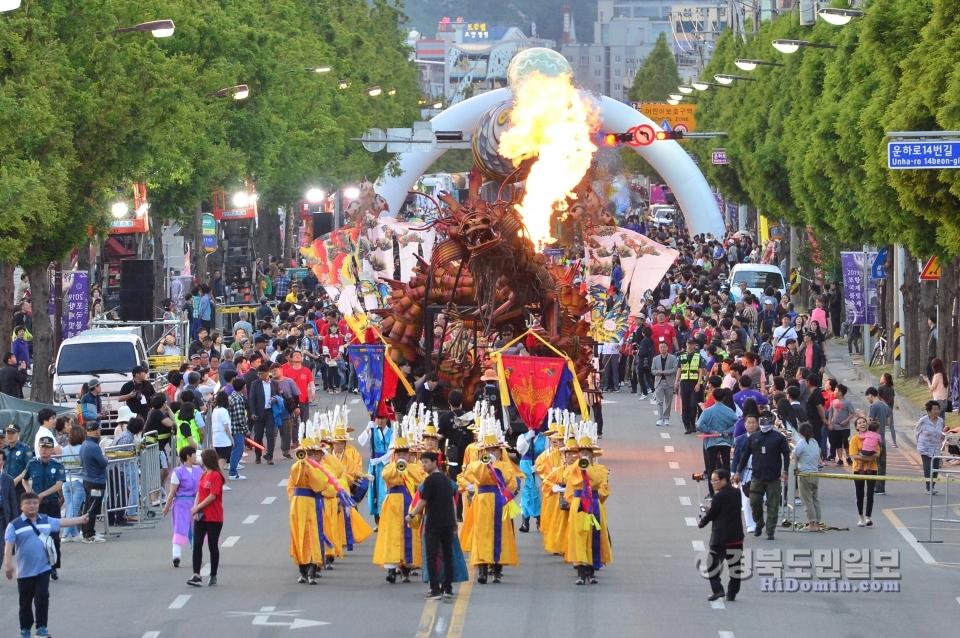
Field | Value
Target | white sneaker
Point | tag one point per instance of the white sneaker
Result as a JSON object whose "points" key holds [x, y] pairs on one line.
{"points": [[240, 466], [238, 477], [642, 397], [227, 488], [659, 421]]}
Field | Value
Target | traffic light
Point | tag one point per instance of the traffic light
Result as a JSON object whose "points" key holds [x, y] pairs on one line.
{"points": [[669, 135], [612, 139]]}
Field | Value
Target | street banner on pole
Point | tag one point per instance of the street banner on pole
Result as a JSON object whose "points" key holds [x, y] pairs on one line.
{"points": [[860, 300]]}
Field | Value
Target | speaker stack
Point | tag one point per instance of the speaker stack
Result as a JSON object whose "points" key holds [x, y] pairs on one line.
{"points": [[322, 224], [136, 290]]}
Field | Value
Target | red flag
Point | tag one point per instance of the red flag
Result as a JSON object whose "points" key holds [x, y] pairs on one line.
{"points": [[533, 382], [390, 381]]}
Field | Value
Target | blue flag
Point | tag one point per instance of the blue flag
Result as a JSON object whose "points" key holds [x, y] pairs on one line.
{"points": [[368, 362]]}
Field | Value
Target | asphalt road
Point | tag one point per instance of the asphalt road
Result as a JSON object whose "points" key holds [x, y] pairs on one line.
{"points": [[129, 588]]}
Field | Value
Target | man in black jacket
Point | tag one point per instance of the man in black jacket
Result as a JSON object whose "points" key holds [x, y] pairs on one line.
{"points": [[771, 459], [263, 394], [726, 535], [13, 376]]}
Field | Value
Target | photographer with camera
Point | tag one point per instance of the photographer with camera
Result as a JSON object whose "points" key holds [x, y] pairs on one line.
{"points": [[726, 535]]}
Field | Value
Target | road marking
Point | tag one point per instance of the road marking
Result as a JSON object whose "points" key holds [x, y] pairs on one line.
{"points": [[441, 627], [698, 546], [427, 619], [925, 556], [691, 521], [664, 435], [718, 604], [269, 500], [179, 601], [251, 519], [205, 570], [958, 600], [674, 465], [283, 483], [460, 608], [356, 401], [151, 634], [231, 541], [668, 448], [685, 500], [726, 634], [679, 481]]}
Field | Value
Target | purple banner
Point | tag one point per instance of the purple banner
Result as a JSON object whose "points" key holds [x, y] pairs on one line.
{"points": [[955, 386], [733, 213], [860, 300], [76, 303]]}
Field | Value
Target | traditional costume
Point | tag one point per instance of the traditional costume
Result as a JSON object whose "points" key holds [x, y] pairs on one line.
{"points": [[381, 443], [530, 446], [306, 489], [494, 481], [398, 547], [545, 464], [351, 527], [588, 544]]}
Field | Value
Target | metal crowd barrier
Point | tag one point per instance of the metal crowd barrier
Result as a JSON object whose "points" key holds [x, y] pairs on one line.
{"points": [[132, 477]]}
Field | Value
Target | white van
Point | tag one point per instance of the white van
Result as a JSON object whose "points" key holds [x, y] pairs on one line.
{"points": [[661, 215], [757, 277], [109, 354]]}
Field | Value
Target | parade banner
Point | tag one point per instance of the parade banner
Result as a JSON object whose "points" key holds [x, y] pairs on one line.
{"points": [[532, 382], [368, 361], [860, 297], [76, 310], [955, 386]]}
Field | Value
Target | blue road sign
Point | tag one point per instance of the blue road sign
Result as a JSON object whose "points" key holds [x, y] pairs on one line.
{"points": [[879, 268], [665, 125], [923, 155]]}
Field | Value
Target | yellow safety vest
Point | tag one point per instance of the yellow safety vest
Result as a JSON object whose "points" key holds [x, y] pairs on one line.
{"points": [[182, 441], [690, 368]]}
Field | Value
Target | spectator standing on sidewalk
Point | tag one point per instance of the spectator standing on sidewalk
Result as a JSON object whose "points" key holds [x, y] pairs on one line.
{"points": [[863, 464], [888, 395], [929, 433], [13, 376], [771, 458], [841, 414], [239, 428], [882, 414], [73, 494], [94, 464], [937, 383], [33, 569], [807, 455]]}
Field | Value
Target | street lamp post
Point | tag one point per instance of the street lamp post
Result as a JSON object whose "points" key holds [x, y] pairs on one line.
{"points": [[750, 65], [238, 92], [839, 17], [159, 28], [792, 46]]}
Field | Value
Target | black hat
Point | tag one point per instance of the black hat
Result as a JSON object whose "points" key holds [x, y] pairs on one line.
{"points": [[46, 441], [14, 427], [92, 425]]}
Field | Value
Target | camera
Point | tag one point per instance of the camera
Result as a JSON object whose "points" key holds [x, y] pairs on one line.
{"points": [[703, 508], [698, 476]]}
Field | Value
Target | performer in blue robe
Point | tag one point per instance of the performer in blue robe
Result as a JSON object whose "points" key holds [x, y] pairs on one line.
{"points": [[530, 446], [379, 434]]}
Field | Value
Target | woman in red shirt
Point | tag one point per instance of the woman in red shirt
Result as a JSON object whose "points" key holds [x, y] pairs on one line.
{"points": [[208, 514], [332, 345]]}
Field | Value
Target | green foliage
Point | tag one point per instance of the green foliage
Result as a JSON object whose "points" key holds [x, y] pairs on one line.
{"points": [[657, 77], [807, 141]]}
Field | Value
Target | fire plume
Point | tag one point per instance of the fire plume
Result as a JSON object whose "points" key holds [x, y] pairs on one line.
{"points": [[551, 122]]}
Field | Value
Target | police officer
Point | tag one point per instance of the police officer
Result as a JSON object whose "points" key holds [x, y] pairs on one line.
{"points": [[692, 369], [17, 456], [45, 476]]}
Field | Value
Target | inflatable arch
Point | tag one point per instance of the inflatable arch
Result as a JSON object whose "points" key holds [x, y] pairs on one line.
{"points": [[667, 157]]}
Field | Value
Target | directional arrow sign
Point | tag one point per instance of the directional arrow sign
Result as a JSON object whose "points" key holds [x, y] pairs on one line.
{"points": [[262, 618]]}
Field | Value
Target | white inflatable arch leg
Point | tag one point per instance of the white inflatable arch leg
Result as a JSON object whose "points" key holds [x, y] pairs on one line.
{"points": [[667, 157]]}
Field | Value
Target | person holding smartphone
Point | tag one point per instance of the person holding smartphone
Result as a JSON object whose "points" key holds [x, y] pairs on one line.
{"points": [[208, 517]]}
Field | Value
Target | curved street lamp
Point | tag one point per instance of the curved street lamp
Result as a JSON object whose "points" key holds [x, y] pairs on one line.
{"points": [[706, 86], [839, 17], [687, 90], [374, 91], [792, 46], [238, 92], [750, 65], [159, 28], [318, 69], [727, 79]]}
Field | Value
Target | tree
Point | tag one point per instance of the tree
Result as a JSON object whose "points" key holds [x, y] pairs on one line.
{"points": [[657, 77]]}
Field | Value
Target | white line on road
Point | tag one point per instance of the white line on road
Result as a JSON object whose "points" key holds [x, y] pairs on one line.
{"points": [[151, 634], [668, 448], [679, 481], [726, 634], [718, 604], [356, 401], [231, 541], [267, 608], [664, 435], [250, 520], [691, 521], [179, 601], [925, 556], [698, 546], [283, 483], [685, 500], [269, 500], [674, 465]]}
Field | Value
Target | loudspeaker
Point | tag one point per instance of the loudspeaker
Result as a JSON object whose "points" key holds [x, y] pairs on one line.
{"points": [[322, 224], [136, 290]]}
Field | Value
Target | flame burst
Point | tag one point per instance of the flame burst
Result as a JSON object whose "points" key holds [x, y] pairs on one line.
{"points": [[552, 122]]}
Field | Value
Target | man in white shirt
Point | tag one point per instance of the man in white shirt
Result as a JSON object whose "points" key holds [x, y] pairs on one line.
{"points": [[47, 419]]}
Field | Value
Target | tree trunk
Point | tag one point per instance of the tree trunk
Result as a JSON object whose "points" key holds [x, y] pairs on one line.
{"points": [[947, 316], [915, 343], [199, 252], [42, 389], [267, 237], [290, 234], [7, 288]]}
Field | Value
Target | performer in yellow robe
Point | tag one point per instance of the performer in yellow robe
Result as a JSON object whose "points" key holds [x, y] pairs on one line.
{"points": [[588, 544], [557, 536], [305, 489], [398, 546], [493, 542], [358, 530], [331, 506], [467, 492], [549, 460]]}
